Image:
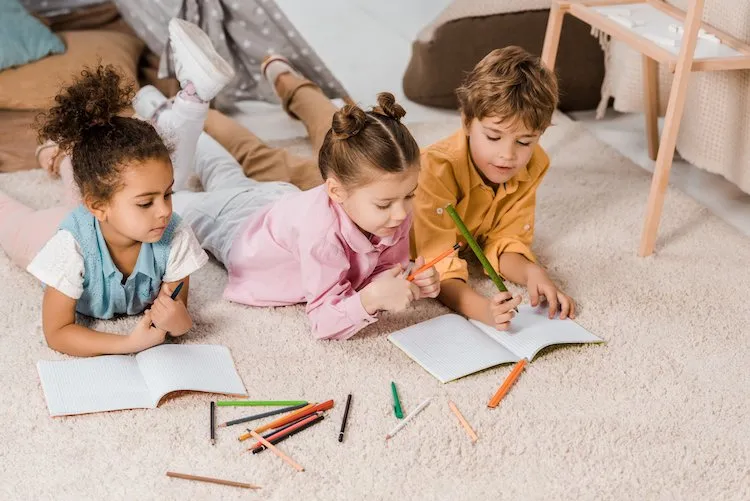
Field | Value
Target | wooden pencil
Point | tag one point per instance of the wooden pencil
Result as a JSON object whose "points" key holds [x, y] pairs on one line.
{"points": [[261, 415], [305, 411], [212, 480], [213, 422], [461, 419], [276, 451], [505, 387]]}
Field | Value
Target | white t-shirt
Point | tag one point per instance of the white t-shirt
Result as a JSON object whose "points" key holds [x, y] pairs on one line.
{"points": [[60, 262]]}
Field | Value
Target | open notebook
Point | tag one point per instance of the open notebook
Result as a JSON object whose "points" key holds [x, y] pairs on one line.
{"points": [[115, 382], [451, 347]]}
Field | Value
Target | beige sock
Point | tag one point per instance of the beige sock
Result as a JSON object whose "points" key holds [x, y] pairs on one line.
{"points": [[279, 67]]}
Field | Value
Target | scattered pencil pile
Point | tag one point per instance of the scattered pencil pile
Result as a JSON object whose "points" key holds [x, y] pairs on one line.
{"points": [[299, 415]]}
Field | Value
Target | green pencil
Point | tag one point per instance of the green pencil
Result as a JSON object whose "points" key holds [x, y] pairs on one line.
{"points": [[259, 403], [396, 402], [477, 250]]}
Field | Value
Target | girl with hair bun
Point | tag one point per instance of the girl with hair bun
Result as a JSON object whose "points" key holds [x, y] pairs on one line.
{"points": [[342, 247]]}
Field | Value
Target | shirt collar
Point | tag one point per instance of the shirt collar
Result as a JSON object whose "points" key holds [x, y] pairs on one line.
{"points": [[144, 264]]}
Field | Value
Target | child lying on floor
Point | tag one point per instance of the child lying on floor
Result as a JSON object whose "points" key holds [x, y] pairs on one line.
{"points": [[490, 170], [341, 248], [120, 251]]}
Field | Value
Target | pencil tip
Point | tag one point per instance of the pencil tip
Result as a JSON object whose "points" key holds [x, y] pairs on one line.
{"points": [[221, 425], [213, 442]]}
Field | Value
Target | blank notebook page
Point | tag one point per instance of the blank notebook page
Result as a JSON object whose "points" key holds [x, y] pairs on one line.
{"points": [[171, 367], [94, 384], [449, 347], [531, 330]]}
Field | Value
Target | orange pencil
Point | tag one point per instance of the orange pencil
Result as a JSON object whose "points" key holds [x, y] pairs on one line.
{"points": [[517, 370], [305, 411], [427, 266]]}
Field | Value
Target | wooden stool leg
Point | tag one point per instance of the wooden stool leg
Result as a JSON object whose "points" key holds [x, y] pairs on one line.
{"points": [[552, 36], [675, 107], [651, 104]]}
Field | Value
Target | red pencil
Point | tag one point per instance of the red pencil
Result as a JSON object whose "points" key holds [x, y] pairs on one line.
{"points": [[427, 266]]}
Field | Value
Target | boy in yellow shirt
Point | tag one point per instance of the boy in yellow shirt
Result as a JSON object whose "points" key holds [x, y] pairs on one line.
{"points": [[490, 170]]}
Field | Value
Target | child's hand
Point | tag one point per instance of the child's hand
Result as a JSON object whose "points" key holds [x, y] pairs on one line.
{"points": [[390, 292], [145, 336], [541, 287], [428, 281], [170, 314], [502, 306]]}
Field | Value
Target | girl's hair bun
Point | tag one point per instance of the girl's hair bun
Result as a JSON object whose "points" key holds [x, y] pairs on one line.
{"points": [[348, 121], [92, 101], [388, 107]]}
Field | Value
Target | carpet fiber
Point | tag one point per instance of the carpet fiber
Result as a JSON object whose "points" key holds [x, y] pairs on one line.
{"points": [[659, 411]]}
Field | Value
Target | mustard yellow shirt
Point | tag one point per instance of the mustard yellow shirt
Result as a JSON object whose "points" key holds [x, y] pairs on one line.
{"points": [[501, 221]]}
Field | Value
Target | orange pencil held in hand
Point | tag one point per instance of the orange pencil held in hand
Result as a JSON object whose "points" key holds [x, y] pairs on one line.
{"points": [[427, 266]]}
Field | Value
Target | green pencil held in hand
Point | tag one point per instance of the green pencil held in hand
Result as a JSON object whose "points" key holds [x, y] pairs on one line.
{"points": [[259, 403], [396, 403], [477, 250]]}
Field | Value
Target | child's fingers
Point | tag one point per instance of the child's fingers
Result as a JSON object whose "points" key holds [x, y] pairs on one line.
{"points": [[533, 296], [572, 308], [430, 290], [501, 297], [551, 294], [564, 306], [415, 292], [507, 305], [419, 262]]}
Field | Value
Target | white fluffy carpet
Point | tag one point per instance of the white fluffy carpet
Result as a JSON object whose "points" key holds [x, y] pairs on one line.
{"points": [[661, 411]]}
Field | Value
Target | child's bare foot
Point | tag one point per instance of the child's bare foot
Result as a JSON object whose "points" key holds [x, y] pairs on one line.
{"points": [[46, 156], [278, 71]]}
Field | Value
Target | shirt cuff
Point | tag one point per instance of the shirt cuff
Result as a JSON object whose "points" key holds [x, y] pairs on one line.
{"points": [[453, 267], [356, 313], [518, 248]]}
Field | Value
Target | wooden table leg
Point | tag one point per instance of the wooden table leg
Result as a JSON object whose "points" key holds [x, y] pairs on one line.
{"points": [[651, 104], [675, 107], [552, 36]]}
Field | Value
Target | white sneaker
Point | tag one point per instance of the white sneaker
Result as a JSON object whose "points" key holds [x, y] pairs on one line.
{"points": [[148, 100], [196, 60]]}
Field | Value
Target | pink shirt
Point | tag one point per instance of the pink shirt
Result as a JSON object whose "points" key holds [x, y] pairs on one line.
{"points": [[305, 249]]}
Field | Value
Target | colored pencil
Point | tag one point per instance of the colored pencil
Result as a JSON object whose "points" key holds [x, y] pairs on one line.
{"points": [[279, 422], [396, 402], [427, 266], [213, 423], [346, 416], [262, 415], [280, 436], [461, 419], [259, 403], [276, 451], [277, 430], [477, 250], [505, 387], [305, 411], [211, 480], [408, 418], [177, 291]]}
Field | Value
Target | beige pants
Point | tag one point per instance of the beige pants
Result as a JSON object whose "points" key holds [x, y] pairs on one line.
{"points": [[303, 100]]}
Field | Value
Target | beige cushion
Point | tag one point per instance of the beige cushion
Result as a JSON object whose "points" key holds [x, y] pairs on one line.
{"points": [[33, 86]]}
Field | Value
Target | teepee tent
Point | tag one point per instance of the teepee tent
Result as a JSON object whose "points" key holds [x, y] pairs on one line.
{"points": [[243, 32]]}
